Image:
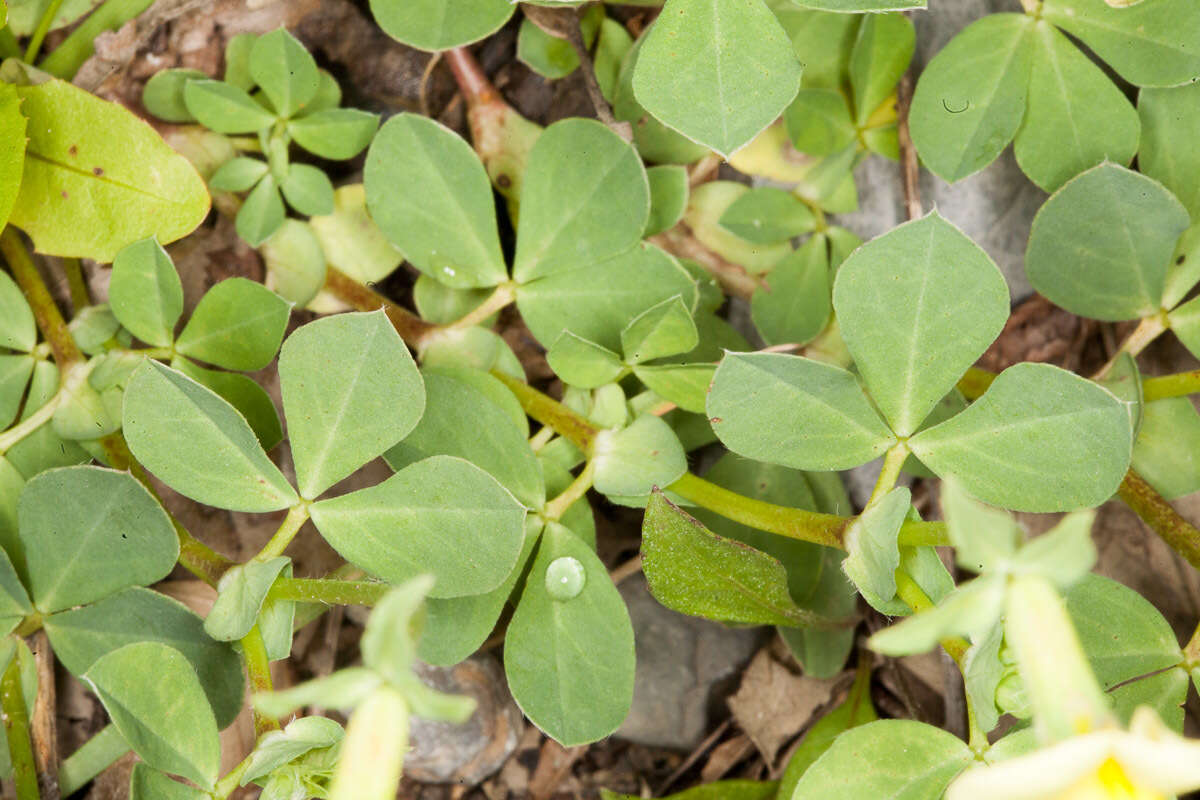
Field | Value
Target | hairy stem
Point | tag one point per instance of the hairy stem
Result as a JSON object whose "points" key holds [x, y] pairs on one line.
{"points": [[39, 33], [1149, 329], [1178, 385], [501, 298], [578, 488], [328, 591], [1156, 512], [296, 517], [258, 671], [230, 782], [49, 319], [412, 329], [551, 413], [16, 726]]}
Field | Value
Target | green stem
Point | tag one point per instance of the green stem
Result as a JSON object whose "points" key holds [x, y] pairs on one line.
{"points": [[96, 755], [39, 33], [16, 725], [230, 782], [306, 612], [915, 598], [328, 592], [548, 411], [578, 488], [541, 438], [77, 284], [1177, 385], [247, 144], [1155, 511], [79, 46], [889, 473], [794, 523], [49, 319], [1149, 329], [11, 437], [258, 671], [194, 555], [501, 298], [296, 517]]}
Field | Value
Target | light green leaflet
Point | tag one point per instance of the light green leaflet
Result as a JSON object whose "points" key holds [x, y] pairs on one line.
{"points": [[18, 330], [596, 301], [145, 293], [155, 700], [872, 545], [717, 71], [350, 391], [223, 108], [1124, 636], [12, 157], [240, 596], [147, 783], [238, 324], [81, 636], [668, 197], [1164, 452], [1040, 439], [89, 196], [570, 661], [665, 329], [460, 420], [794, 411], [579, 211], [819, 123], [982, 536], [308, 190], [440, 24], [581, 363], [881, 54], [351, 240], [448, 233], [285, 71], [655, 141], [685, 385], [197, 444], [795, 305], [631, 461], [908, 759], [768, 215], [1150, 44], [917, 306], [336, 133], [455, 627], [163, 94], [262, 212], [88, 532], [14, 600], [741, 585], [244, 394], [1100, 247], [1170, 120], [971, 97], [441, 516], [295, 262], [1071, 101]]}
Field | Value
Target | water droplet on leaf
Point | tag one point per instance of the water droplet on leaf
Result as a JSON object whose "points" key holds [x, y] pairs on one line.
{"points": [[565, 578]]}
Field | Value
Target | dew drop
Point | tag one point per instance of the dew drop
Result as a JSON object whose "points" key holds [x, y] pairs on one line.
{"points": [[565, 578]]}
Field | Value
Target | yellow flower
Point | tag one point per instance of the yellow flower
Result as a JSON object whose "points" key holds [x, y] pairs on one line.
{"points": [[1147, 762]]}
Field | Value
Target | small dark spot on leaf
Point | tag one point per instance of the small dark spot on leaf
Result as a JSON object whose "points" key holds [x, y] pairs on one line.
{"points": [[504, 181], [1180, 260], [72, 150], [64, 194], [124, 536], [715, 420], [97, 170]]}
